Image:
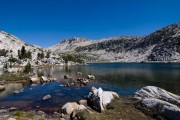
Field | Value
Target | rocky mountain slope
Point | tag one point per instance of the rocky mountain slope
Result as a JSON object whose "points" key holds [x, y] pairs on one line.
{"points": [[11, 52], [12, 44], [162, 45]]}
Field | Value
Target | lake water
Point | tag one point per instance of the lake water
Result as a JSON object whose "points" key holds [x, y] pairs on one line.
{"points": [[123, 78]]}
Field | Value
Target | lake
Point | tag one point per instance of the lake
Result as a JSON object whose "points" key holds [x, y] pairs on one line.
{"points": [[123, 78]]}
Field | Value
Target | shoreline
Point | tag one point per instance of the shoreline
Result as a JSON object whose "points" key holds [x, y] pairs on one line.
{"points": [[136, 62]]}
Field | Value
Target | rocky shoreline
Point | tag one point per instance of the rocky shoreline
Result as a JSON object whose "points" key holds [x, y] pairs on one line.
{"points": [[153, 103]]}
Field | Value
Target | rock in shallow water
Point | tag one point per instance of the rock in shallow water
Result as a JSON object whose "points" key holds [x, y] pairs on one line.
{"points": [[91, 77], [34, 79], [46, 97], [2, 87], [159, 101]]}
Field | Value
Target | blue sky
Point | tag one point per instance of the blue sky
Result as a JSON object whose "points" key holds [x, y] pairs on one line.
{"points": [[46, 22]]}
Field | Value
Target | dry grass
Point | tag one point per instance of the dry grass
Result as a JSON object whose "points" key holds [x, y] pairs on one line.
{"points": [[117, 110], [14, 77]]}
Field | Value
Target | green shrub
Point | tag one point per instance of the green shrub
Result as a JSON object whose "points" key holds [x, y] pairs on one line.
{"points": [[22, 54], [30, 114], [12, 59], [3, 52], [40, 55]]}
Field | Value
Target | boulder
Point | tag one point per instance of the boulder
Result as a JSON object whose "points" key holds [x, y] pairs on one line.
{"points": [[12, 109], [91, 77], [2, 87], [44, 79], [34, 80], [98, 99], [158, 93], [52, 79], [69, 107], [82, 81], [159, 102], [66, 77], [41, 113], [46, 97]]}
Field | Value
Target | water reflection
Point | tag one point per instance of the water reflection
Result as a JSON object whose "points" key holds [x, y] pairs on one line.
{"points": [[123, 78], [10, 88]]}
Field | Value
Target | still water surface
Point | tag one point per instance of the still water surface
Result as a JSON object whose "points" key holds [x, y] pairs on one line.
{"points": [[123, 78]]}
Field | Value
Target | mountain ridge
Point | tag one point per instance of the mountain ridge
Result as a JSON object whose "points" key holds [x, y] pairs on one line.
{"points": [[161, 45]]}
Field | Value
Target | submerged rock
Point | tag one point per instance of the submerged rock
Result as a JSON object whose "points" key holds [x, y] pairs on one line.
{"points": [[46, 97], [79, 73], [98, 99], [159, 101]]}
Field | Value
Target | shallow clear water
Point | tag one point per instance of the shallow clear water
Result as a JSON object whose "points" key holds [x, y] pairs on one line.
{"points": [[124, 78]]}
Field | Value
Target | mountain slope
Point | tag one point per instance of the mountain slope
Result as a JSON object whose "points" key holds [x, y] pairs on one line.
{"points": [[162, 45], [12, 44]]}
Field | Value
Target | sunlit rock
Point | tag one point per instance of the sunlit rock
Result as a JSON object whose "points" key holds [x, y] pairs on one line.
{"points": [[46, 97], [99, 99], [91, 77], [159, 101]]}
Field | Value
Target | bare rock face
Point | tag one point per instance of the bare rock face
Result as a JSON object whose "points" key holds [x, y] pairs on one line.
{"points": [[159, 101], [99, 99]]}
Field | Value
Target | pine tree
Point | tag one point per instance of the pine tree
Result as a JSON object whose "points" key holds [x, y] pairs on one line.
{"points": [[27, 68]]}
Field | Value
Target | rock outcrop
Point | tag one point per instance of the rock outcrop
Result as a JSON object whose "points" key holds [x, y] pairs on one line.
{"points": [[159, 102]]}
